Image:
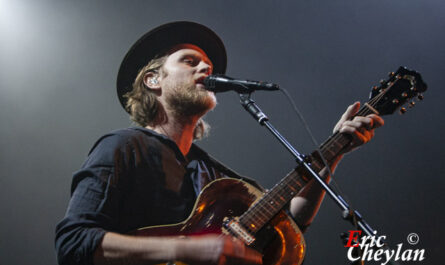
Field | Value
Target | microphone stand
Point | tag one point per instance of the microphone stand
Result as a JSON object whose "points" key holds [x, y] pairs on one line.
{"points": [[348, 214]]}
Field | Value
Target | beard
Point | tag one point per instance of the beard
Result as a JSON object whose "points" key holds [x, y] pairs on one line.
{"points": [[187, 100]]}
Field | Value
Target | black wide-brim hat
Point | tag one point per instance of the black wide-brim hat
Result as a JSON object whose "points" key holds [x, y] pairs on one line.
{"points": [[160, 40]]}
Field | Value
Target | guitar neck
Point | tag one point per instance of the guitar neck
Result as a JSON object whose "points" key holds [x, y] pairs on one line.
{"points": [[401, 86], [277, 198]]}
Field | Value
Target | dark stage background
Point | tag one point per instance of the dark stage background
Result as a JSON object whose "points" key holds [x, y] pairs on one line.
{"points": [[58, 66]]}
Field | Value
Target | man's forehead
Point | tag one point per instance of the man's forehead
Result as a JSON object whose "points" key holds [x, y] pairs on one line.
{"points": [[186, 46]]}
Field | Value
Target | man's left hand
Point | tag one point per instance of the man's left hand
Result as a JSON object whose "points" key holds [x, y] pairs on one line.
{"points": [[360, 128]]}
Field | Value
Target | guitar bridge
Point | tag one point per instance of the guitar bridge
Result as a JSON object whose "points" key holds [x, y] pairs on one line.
{"points": [[233, 227]]}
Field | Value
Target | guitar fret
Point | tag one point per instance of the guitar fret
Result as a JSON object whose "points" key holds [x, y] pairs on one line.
{"points": [[260, 206], [266, 211], [371, 109], [316, 165], [337, 144], [330, 154], [257, 221]]}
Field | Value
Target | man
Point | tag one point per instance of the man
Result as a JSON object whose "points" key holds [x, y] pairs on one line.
{"points": [[151, 175]]}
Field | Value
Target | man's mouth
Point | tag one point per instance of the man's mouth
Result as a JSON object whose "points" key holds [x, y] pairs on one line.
{"points": [[200, 80], [200, 83]]}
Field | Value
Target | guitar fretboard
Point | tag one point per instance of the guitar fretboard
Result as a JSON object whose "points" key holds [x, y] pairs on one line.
{"points": [[277, 198]]}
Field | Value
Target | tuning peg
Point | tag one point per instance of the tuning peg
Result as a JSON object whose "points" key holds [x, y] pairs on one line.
{"points": [[391, 74], [420, 97], [395, 101], [402, 111], [383, 81], [375, 88], [412, 104], [398, 76], [404, 94]]}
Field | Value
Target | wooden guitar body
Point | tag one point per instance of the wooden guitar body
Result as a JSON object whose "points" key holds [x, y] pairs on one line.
{"points": [[280, 241]]}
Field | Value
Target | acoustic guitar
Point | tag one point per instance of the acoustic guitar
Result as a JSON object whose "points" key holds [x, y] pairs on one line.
{"points": [[237, 208]]}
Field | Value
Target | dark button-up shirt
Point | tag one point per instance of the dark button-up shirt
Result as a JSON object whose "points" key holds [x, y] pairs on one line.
{"points": [[132, 178]]}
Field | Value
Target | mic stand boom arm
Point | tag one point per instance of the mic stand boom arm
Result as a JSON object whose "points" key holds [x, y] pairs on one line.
{"points": [[350, 215]]}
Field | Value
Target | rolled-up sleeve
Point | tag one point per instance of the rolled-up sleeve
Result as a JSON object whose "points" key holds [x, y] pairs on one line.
{"points": [[94, 205]]}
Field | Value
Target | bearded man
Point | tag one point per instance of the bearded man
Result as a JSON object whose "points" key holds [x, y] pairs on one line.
{"points": [[151, 175]]}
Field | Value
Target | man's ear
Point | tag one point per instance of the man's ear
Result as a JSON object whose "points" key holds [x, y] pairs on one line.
{"points": [[151, 81]]}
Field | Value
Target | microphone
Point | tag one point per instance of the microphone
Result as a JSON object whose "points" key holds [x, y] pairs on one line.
{"points": [[222, 83]]}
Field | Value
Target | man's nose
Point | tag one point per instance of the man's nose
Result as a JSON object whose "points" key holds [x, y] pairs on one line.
{"points": [[204, 67]]}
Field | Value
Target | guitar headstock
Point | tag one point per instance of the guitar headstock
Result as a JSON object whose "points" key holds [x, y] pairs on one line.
{"points": [[401, 86]]}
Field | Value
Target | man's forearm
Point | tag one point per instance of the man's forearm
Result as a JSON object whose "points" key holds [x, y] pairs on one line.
{"points": [[204, 249], [122, 249], [305, 205]]}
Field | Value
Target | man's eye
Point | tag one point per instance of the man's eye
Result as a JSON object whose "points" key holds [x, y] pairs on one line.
{"points": [[188, 61]]}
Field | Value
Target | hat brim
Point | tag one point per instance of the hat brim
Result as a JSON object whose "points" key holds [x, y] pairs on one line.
{"points": [[162, 38]]}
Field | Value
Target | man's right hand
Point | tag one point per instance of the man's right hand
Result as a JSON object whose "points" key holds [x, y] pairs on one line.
{"points": [[215, 249]]}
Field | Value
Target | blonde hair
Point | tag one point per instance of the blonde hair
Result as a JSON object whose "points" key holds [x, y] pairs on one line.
{"points": [[143, 105]]}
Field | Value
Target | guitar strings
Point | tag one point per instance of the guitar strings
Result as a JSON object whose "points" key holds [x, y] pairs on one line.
{"points": [[361, 112], [248, 216]]}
